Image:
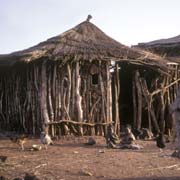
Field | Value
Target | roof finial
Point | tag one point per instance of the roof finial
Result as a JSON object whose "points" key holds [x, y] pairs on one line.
{"points": [[89, 18]]}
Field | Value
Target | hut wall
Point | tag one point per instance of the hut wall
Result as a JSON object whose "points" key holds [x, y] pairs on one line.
{"points": [[55, 93], [148, 96]]}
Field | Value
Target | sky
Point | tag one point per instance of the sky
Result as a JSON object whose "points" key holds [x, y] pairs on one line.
{"points": [[25, 23]]}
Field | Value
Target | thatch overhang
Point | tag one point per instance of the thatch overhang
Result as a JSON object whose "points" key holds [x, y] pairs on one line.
{"points": [[84, 42]]}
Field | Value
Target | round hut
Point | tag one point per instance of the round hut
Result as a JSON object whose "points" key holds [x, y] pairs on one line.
{"points": [[77, 82]]}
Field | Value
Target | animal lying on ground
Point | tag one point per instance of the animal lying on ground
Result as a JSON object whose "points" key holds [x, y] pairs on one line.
{"points": [[19, 139]]}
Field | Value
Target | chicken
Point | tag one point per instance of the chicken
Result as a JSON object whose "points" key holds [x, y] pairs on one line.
{"points": [[46, 139], [160, 141], [20, 140]]}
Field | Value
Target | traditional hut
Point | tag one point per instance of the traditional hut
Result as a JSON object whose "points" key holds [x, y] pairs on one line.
{"points": [[170, 49], [78, 82]]}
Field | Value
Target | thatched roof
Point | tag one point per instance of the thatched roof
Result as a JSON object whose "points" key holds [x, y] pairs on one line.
{"points": [[83, 42], [165, 47], [160, 42]]}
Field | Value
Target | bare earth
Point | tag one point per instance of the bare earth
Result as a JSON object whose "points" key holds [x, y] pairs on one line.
{"points": [[70, 159]]}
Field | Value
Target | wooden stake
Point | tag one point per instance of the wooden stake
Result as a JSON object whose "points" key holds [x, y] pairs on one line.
{"points": [[139, 98]]}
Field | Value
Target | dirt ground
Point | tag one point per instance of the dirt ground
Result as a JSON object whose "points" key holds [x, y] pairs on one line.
{"points": [[70, 159]]}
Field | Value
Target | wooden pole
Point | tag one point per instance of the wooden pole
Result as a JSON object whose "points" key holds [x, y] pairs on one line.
{"points": [[134, 104], [148, 100], [151, 113], [139, 98], [78, 98], [162, 120], [109, 95], [44, 93], [117, 93]]}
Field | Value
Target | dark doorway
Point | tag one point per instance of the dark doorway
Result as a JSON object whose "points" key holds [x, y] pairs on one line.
{"points": [[126, 99]]}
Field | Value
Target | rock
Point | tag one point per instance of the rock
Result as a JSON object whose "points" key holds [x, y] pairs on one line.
{"points": [[91, 141], [101, 151], [36, 147], [75, 152]]}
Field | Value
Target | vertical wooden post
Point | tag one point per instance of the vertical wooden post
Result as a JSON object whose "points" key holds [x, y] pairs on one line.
{"points": [[139, 95], [103, 94], [51, 111], [44, 93], [134, 104], [176, 118], [54, 94], [73, 93], [109, 95], [148, 100], [69, 88], [78, 98], [176, 77], [117, 93]]}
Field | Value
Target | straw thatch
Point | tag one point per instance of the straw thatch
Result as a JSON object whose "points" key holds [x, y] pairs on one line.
{"points": [[168, 41], [165, 47], [83, 42]]}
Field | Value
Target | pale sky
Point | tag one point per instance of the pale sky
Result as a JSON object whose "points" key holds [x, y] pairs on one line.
{"points": [[25, 23]]}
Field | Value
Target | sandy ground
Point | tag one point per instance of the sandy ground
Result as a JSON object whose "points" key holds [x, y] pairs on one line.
{"points": [[70, 159]]}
